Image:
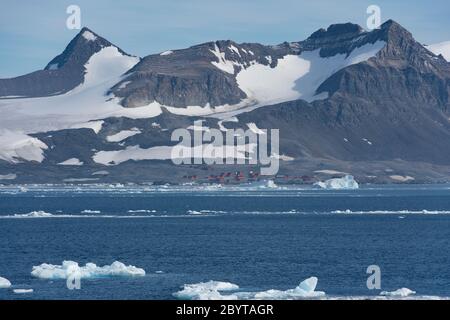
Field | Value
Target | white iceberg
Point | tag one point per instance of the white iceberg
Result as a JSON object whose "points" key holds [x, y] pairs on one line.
{"points": [[4, 283], [90, 270], [346, 182], [306, 289], [207, 291], [34, 214], [403, 292], [214, 290]]}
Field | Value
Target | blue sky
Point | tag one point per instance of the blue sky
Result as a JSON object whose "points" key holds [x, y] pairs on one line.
{"points": [[33, 32]]}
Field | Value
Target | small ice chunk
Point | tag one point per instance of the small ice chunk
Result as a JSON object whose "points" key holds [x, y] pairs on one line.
{"points": [[166, 53], [403, 292], [4, 283], [20, 291], [346, 182]]}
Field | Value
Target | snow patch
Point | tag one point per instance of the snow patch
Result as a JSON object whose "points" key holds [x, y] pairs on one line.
{"points": [[9, 176], [166, 53], [122, 135], [100, 173], [401, 178], [17, 146], [298, 76], [89, 36], [71, 162], [441, 48], [252, 126], [96, 126], [90, 270], [223, 64]]}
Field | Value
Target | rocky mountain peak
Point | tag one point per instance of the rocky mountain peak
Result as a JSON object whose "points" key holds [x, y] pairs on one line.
{"points": [[80, 49]]}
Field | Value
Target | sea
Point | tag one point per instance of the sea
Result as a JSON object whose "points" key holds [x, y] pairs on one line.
{"points": [[212, 242]]}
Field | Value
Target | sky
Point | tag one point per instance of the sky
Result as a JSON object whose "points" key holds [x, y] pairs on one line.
{"points": [[33, 32]]}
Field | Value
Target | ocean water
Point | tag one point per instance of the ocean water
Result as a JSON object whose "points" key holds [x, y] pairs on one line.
{"points": [[256, 238]]}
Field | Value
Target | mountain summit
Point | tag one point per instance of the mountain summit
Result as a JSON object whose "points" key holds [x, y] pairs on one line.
{"points": [[63, 73]]}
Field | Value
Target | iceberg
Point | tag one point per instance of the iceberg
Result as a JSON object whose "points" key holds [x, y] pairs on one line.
{"points": [[306, 289], [4, 283], [346, 182], [207, 291], [403, 292], [214, 290], [90, 270]]}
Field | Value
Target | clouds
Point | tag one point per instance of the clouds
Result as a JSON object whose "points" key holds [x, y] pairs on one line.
{"points": [[31, 32]]}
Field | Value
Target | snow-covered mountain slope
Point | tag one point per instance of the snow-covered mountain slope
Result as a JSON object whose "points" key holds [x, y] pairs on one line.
{"points": [[223, 76], [441, 48]]}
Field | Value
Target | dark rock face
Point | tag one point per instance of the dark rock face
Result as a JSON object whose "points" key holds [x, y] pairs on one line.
{"points": [[63, 73]]}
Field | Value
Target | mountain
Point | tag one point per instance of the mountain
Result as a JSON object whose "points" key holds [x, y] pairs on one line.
{"points": [[62, 74], [374, 104]]}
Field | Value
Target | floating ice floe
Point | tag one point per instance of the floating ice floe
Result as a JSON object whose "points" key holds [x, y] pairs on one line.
{"points": [[306, 289], [216, 290], [91, 211], [207, 291], [403, 292], [21, 291], [4, 283], [346, 182], [34, 214], [90, 270]]}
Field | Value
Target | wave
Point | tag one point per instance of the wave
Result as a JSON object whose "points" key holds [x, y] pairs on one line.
{"points": [[91, 211], [392, 212], [142, 211]]}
